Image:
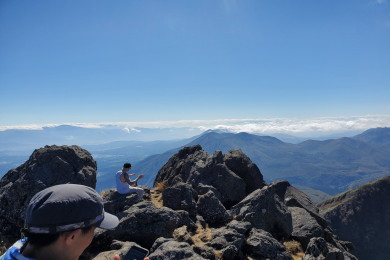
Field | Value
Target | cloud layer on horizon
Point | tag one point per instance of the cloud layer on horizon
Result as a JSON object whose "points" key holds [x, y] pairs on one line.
{"points": [[295, 126]]}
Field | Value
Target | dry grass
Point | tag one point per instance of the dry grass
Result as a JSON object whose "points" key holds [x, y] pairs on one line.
{"points": [[160, 186], [295, 249], [156, 198], [218, 254], [104, 192], [156, 194], [202, 235]]}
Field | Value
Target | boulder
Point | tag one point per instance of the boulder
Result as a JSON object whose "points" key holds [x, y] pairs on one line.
{"points": [[143, 223], [48, 166], [180, 197], [228, 242], [181, 234], [264, 210], [115, 202], [242, 166], [261, 245], [305, 226], [117, 248], [167, 249], [293, 197], [318, 248], [212, 210], [241, 227]]}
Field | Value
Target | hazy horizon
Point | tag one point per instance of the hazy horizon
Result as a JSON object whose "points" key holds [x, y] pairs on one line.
{"points": [[300, 127]]}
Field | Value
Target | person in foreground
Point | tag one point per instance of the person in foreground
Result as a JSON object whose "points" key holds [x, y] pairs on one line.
{"points": [[60, 223], [123, 183]]}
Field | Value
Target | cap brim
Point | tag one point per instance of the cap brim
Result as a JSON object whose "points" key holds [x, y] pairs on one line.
{"points": [[109, 222]]}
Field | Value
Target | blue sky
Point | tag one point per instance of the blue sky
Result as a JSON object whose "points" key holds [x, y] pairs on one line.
{"points": [[152, 61]]}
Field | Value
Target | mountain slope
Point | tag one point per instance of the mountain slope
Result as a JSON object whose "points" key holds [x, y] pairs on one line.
{"points": [[362, 216], [331, 166], [378, 136]]}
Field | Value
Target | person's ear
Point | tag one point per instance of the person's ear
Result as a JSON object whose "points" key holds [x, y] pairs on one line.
{"points": [[70, 237]]}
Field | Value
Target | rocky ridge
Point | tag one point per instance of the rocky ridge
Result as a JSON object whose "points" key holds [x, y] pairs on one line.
{"points": [[350, 212], [219, 207], [203, 206]]}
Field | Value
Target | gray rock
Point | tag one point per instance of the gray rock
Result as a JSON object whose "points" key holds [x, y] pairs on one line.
{"points": [[48, 166], [261, 245], [205, 251], [180, 197], [167, 249], [228, 242], [212, 210], [319, 249], [241, 227], [115, 203], [264, 210], [241, 165], [143, 223], [305, 226], [293, 197], [118, 248], [181, 234], [202, 189], [185, 220]]}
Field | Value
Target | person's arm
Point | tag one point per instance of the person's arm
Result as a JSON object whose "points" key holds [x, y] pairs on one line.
{"points": [[126, 178], [130, 182]]}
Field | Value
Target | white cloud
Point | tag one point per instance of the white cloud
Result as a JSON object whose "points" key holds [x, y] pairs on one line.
{"points": [[295, 126], [305, 126], [129, 130]]}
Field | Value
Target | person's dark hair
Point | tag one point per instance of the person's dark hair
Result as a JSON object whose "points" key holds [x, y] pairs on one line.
{"points": [[42, 240], [127, 165]]}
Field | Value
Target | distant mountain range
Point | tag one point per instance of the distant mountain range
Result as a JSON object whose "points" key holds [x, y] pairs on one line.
{"points": [[330, 166], [23, 139]]}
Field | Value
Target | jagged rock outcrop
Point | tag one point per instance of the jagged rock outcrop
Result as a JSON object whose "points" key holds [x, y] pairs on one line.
{"points": [[230, 186], [264, 210], [213, 207], [232, 174], [362, 216], [46, 167]]}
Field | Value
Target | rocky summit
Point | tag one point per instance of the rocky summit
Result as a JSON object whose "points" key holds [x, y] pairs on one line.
{"points": [[202, 206], [46, 167], [362, 216]]}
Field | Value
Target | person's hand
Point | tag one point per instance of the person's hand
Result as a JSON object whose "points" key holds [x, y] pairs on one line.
{"points": [[132, 174]]}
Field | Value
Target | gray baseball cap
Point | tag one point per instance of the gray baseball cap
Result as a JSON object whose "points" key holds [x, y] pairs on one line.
{"points": [[67, 207]]}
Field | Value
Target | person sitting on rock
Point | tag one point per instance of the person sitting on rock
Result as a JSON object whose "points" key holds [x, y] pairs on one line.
{"points": [[123, 183], [60, 223]]}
